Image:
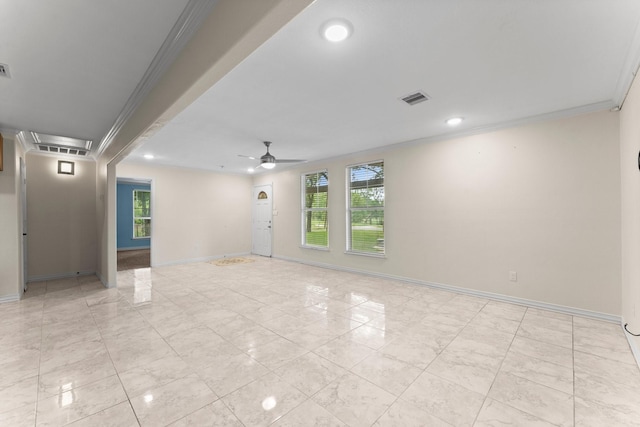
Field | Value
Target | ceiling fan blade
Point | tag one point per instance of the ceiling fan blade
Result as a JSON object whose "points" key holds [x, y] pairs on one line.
{"points": [[290, 160], [247, 157]]}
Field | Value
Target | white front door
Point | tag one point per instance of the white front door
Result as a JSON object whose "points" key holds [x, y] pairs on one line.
{"points": [[262, 218]]}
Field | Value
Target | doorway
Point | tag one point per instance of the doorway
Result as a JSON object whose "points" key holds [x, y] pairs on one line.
{"points": [[133, 223], [262, 220]]}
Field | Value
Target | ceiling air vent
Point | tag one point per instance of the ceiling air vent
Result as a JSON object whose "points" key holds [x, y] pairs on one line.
{"points": [[61, 150], [4, 70], [56, 144], [415, 98]]}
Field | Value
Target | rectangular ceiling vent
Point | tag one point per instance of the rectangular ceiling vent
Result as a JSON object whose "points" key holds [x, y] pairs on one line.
{"points": [[4, 70], [415, 98], [56, 144], [61, 150]]}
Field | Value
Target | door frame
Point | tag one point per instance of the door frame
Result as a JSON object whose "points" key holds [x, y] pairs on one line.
{"points": [[254, 194]]}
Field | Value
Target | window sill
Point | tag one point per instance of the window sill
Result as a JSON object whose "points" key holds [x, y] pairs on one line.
{"points": [[367, 254], [140, 238], [315, 248]]}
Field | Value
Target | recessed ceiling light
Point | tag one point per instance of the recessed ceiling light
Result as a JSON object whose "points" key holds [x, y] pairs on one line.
{"points": [[454, 121], [251, 170], [148, 156], [337, 30]]}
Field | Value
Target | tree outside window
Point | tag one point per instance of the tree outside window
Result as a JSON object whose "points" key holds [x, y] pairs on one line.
{"points": [[141, 214], [366, 208], [315, 226]]}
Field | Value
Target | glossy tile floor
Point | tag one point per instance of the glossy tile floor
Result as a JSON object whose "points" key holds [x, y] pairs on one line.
{"points": [[274, 342]]}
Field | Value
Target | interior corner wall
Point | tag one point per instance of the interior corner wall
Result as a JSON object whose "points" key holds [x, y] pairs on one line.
{"points": [[10, 221], [630, 202], [196, 215], [61, 216], [540, 199]]}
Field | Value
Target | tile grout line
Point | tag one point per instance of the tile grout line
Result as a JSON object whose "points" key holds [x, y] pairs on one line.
{"points": [[114, 367], [515, 334]]}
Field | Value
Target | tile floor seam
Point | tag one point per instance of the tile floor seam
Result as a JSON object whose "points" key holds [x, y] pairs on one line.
{"points": [[35, 420], [126, 393], [486, 396]]}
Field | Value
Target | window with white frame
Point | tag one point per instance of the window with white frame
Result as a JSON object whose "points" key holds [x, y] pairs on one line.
{"points": [[315, 222], [365, 201], [141, 214]]}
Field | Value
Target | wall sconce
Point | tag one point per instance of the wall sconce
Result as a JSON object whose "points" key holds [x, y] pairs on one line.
{"points": [[66, 168]]}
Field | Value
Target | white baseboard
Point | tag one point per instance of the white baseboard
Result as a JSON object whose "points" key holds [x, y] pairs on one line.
{"points": [[9, 298], [133, 248], [60, 276], [632, 343], [203, 259], [104, 281], [498, 297]]}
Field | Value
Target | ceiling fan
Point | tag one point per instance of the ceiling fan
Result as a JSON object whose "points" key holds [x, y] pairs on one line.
{"points": [[268, 161]]}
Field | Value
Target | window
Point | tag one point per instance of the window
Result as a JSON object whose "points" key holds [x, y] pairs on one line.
{"points": [[141, 214], [365, 221], [315, 227]]}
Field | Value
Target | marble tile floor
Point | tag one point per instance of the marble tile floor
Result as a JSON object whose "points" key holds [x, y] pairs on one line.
{"points": [[284, 344]]}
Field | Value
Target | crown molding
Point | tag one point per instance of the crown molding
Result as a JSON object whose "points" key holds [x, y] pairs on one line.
{"points": [[194, 13]]}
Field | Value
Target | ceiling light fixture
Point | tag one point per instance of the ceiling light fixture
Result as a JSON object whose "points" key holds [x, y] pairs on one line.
{"points": [[337, 30], [251, 170], [148, 156], [454, 121], [268, 165]]}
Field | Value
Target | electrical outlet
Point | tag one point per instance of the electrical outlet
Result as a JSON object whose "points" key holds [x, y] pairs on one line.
{"points": [[513, 276]]}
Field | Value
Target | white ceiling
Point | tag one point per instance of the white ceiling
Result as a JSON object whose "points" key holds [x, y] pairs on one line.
{"points": [[74, 64]]}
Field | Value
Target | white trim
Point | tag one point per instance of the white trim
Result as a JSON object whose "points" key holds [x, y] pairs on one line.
{"points": [[201, 259], [135, 248], [194, 13], [133, 181], [104, 281], [367, 254], [60, 276], [498, 297], [9, 298], [315, 248], [629, 69], [634, 348]]}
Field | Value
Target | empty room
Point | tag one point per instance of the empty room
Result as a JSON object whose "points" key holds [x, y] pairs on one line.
{"points": [[319, 213]]}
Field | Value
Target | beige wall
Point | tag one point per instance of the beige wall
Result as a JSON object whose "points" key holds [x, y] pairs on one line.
{"points": [[196, 215], [540, 199], [10, 221], [61, 214], [630, 182]]}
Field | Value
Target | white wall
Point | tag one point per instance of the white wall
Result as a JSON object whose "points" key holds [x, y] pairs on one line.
{"points": [[540, 199], [196, 215], [630, 182], [61, 214], [10, 221]]}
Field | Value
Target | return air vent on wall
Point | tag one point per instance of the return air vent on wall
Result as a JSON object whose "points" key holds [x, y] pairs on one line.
{"points": [[415, 98]]}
